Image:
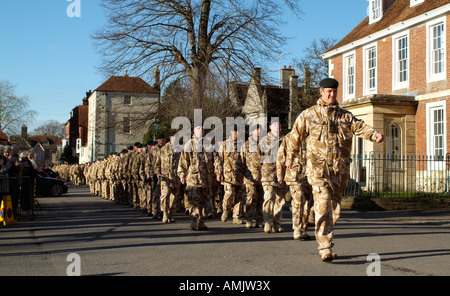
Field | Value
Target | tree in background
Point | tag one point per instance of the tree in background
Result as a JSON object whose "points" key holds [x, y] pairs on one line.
{"points": [[14, 110], [184, 38], [51, 127]]}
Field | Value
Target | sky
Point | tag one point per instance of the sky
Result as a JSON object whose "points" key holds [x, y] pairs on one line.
{"points": [[50, 56]]}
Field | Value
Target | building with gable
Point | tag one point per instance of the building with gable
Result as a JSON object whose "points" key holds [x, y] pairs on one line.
{"points": [[119, 113]]}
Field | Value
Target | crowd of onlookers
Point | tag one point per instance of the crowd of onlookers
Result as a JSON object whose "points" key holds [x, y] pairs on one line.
{"points": [[17, 177]]}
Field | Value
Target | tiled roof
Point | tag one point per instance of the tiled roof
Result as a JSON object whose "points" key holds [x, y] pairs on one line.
{"points": [[127, 84], [399, 11]]}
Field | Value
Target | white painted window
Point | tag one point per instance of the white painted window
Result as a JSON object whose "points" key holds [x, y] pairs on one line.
{"points": [[393, 145], [436, 50], [436, 129], [349, 76], [370, 70], [415, 2], [375, 11], [401, 61]]}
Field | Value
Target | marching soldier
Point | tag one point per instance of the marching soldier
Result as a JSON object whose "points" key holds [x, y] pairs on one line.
{"points": [[251, 162], [328, 130], [193, 171], [300, 189], [166, 165], [230, 174], [274, 192]]}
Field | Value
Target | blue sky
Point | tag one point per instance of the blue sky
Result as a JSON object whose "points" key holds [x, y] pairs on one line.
{"points": [[52, 60]]}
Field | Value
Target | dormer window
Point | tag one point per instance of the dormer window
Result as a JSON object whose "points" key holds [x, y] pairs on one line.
{"points": [[375, 11], [415, 2]]}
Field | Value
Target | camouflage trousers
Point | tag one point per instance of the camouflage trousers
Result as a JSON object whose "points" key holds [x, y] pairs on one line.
{"points": [[327, 209], [169, 194], [233, 199], [197, 197], [156, 198], [254, 197], [274, 199], [301, 205]]}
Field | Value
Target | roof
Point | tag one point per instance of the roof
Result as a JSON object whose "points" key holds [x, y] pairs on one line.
{"points": [[48, 142], [399, 12], [127, 84]]}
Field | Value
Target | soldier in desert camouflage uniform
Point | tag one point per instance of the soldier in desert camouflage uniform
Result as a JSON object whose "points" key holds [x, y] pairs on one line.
{"points": [[193, 170], [251, 163], [166, 165], [156, 183], [274, 192], [300, 189], [231, 175], [328, 130]]}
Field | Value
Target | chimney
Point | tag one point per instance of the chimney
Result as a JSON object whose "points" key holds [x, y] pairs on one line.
{"points": [[157, 84], [126, 74], [293, 93], [24, 131], [284, 76], [257, 75], [307, 81]]}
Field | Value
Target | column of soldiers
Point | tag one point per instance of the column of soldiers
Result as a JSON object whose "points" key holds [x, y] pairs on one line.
{"points": [[248, 181]]}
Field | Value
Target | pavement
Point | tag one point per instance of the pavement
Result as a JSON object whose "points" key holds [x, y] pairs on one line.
{"points": [[80, 233]]}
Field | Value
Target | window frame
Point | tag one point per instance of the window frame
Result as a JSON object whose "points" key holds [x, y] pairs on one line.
{"points": [[375, 14], [430, 135], [367, 90], [346, 94], [396, 83], [431, 76]]}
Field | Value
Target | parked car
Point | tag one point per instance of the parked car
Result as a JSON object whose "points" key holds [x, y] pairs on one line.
{"points": [[46, 186]]}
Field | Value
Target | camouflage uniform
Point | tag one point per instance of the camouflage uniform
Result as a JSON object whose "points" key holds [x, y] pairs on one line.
{"points": [[166, 165], [193, 167], [328, 131], [251, 162], [274, 192], [300, 189], [156, 183], [230, 170]]}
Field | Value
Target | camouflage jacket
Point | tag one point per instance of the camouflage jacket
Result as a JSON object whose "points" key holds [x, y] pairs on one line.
{"points": [[296, 173], [195, 164], [166, 163], [268, 147], [328, 131], [251, 161], [230, 162]]}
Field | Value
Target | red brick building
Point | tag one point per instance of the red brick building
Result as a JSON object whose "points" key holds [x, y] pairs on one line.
{"points": [[393, 70]]}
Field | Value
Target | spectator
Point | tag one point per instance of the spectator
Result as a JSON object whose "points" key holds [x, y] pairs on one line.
{"points": [[27, 189]]}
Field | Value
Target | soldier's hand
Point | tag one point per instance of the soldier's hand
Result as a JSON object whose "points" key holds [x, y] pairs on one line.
{"points": [[183, 180], [289, 164], [280, 180], [379, 137], [256, 178], [218, 178]]}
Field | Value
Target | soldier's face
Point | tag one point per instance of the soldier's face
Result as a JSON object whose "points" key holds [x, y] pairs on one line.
{"points": [[234, 135], [329, 95], [275, 128], [198, 131]]}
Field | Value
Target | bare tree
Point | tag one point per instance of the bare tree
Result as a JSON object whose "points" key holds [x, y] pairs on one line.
{"points": [[184, 37], [14, 110], [313, 62], [51, 127]]}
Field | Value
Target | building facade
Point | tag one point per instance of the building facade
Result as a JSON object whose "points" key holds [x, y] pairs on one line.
{"points": [[393, 70], [119, 113]]}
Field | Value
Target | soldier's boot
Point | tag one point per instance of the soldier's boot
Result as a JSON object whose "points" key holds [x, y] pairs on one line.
{"points": [[277, 227], [297, 234], [224, 217], [305, 236], [248, 224], [193, 225], [267, 227], [237, 221], [201, 225], [326, 255], [165, 218]]}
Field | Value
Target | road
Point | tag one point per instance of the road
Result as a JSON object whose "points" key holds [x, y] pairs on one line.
{"points": [[110, 239]]}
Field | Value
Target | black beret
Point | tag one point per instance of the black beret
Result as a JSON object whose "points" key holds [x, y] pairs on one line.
{"points": [[253, 127], [160, 136], [130, 147], [329, 83]]}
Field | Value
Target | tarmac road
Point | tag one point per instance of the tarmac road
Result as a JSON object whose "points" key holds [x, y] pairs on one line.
{"points": [[110, 239]]}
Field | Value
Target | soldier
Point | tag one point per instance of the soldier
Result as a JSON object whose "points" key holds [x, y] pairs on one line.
{"points": [[231, 176], [166, 165], [156, 184], [251, 162], [300, 189], [274, 192], [328, 130], [193, 171], [148, 171]]}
